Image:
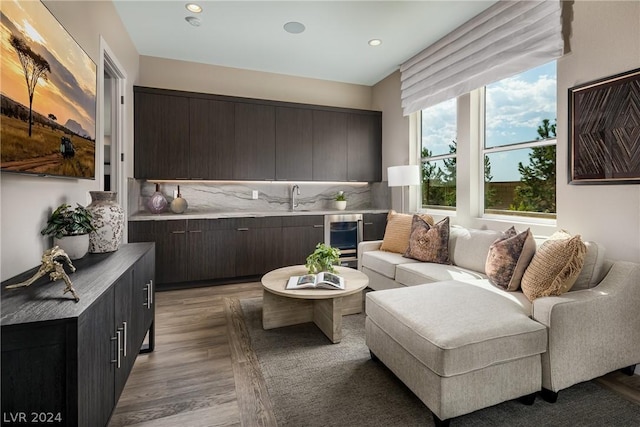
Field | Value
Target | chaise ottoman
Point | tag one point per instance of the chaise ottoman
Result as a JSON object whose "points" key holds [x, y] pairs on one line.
{"points": [[458, 346]]}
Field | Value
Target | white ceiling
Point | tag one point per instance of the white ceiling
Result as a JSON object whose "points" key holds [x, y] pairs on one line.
{"points": [[250, 34]]}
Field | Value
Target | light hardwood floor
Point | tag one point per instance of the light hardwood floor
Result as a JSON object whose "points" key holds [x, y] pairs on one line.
{"points": [[189, 379]]}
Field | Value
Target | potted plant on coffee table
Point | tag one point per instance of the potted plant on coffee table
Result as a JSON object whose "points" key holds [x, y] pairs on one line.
{"points": [[70, 229], [323, 259]]}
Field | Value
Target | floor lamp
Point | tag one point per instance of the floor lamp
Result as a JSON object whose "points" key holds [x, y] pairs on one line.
{"points": [[401, 176]]}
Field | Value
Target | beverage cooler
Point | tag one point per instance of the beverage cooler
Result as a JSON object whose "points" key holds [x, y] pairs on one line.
{"points": [[345, 233]]}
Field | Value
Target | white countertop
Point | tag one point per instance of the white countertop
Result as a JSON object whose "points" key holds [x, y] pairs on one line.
{"points": [[217, 214]]}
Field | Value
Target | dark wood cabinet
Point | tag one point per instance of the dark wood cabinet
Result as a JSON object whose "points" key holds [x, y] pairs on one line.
{"points": [[212, 138], [161, 132], [300, 235], [373, 226], [255, 142], [294, 144], [258, 245], [329, 146], [211, 249], [226, 248], [364, 147], [186, 135], [72, 359]]}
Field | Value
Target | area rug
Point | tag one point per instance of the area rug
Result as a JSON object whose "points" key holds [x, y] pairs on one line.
{"points": [[311, 382]]}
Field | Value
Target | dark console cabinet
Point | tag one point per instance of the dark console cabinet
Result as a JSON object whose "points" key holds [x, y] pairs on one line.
{"points": [[68, 362]]}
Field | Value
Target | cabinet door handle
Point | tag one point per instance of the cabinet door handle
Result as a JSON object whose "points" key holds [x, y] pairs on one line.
{"points": [[243, 229], [318, 225], [368, 223], [124, 339], [117, 338], [148, 288], [195, 231], [178, 232]]}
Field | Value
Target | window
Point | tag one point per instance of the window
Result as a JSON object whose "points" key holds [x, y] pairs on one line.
{"points": [[438, 131], [520, 144]]}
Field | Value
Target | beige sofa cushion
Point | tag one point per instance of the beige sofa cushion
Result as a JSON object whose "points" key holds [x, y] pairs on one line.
{"points": [[593, 269], [555, 266], [428, 322], [468, 248], [429, 272], [398, 230], [384, 262]]}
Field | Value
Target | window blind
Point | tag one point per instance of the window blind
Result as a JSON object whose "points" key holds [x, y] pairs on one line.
{"points": [[506, 39]]}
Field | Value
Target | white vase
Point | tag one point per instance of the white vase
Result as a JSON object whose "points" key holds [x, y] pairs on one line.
{"points": [[108, 221], [341, 204], [75, 246]]}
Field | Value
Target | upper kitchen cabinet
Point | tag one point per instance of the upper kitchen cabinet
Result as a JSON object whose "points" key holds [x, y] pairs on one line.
{"points": [[161, 146], [212, 138], [330, 145], [186, 135], [294, 144], [255, 142], [364, 147]]}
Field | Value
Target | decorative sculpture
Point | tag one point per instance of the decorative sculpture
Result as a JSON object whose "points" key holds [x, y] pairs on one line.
{"points": [[51, 263]]}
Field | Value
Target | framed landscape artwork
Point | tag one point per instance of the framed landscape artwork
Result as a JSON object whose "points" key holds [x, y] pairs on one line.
{"points": [[48, 122], [604, 130]]}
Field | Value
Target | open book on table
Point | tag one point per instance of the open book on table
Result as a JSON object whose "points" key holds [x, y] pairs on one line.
{"points": [[322, 280]]}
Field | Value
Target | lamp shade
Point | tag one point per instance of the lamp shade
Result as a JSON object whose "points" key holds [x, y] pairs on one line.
{"points": [[403, 175]]}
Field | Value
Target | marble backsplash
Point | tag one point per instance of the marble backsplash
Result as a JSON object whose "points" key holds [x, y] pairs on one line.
{"points": [[272, 196]]}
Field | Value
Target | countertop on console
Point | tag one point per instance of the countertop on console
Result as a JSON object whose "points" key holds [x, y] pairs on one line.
{"points": [[216, 214]]}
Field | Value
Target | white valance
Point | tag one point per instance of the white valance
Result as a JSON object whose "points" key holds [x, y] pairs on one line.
{"points": [[506, 39]]}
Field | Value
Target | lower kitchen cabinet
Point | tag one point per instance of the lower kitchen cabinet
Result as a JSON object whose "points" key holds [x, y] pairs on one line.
{"points": [[374, 226], [213, 249], [68, 361], [300, 235], [258, 245]]}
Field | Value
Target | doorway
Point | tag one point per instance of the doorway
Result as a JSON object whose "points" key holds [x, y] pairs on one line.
{"points": [[113, 83]]}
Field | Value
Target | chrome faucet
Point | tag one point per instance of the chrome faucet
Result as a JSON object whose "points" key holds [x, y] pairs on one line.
{"points": [[295, 190]]}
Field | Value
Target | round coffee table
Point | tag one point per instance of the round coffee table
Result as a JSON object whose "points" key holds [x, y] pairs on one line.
{"points": [[324, 307]]}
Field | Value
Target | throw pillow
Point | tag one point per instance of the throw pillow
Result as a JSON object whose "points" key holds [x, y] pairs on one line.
{"points": [[509, 257], [429, 243], [555, 266], [396, 234]]}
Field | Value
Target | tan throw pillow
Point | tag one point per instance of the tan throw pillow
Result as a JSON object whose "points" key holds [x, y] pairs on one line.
{"points": [[509, 257], [429, 243], [396, 234], [555, 266]]}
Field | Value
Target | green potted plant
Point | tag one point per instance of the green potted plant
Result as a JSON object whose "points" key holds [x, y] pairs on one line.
{"points": [[341, 200], [70, 229], [323, 259]]}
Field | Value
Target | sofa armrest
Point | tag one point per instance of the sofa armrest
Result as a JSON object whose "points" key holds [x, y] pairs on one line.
{"points": [[591, 332], [366, 246]]}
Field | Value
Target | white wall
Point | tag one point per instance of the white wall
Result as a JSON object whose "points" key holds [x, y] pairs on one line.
{"points": [[395, 129], [27, 201], [604, 40], [193, 77]]}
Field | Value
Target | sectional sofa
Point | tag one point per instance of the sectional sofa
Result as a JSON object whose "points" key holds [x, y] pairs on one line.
{"points": [[461, 343]]}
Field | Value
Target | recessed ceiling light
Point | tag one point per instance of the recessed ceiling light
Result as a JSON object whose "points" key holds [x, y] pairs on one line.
{"points": [[193, 21], [294, 27], [375, 42], [192, 7]]}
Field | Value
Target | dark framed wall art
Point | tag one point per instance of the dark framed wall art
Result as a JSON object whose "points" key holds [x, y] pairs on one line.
{"points": [[48, 115], [604, 130]]}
